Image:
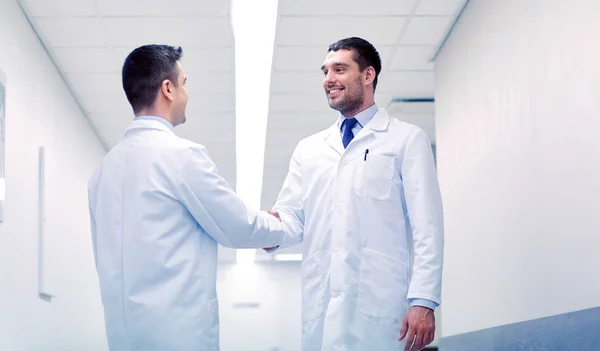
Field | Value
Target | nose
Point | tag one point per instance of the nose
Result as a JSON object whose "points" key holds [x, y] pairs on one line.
{"points": [[329, 79]]}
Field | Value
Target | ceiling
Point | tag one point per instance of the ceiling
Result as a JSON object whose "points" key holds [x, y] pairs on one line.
{"points": [[89, 40]]}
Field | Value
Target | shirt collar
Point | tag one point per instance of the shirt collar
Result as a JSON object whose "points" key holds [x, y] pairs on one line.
{"points": [[154, 118], [363, 117]]}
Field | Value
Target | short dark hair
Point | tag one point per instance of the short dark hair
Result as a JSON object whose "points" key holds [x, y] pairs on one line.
{"points": [[365, 54], [145, 69]]}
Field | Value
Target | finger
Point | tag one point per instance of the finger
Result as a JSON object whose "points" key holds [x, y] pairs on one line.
{"points": [[431, 337], [410, 340], [418, 342], [404, 329]]}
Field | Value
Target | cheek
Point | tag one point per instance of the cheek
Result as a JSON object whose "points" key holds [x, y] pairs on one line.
{"points": [[346, 83]]}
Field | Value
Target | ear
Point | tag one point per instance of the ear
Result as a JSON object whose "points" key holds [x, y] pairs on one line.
{"points": [[369, 75], [166, 89]]}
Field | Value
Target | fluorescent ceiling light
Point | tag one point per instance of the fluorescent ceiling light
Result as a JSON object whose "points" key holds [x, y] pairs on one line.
{"points": [[253, 26], [287, 257]]}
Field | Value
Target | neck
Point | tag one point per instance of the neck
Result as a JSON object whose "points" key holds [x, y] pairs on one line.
{"points": [[368, 102], [155, 113]]}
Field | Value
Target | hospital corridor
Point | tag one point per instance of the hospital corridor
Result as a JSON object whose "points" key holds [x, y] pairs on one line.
{"points": [[299, 175]]}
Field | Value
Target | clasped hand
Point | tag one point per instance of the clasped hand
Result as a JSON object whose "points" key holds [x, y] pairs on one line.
{"points": [[276, 215]]}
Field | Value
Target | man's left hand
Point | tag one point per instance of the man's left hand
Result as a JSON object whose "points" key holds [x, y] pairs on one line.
{"points": [[418, 327]]}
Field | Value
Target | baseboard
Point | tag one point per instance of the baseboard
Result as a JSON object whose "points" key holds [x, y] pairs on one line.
{"points": [[578, 331]]}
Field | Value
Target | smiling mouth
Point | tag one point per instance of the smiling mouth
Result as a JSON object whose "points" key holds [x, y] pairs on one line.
{"points": [[333, 92]]}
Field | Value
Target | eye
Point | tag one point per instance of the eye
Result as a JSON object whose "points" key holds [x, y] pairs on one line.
{"points": [[339, 70]]}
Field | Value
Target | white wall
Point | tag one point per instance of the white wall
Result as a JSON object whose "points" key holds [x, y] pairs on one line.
{"points": [[518, 143], [274, 324], [41, 112]]}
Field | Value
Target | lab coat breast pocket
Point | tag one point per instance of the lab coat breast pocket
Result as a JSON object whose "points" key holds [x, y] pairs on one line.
{"points": [[375, 176], [382, 285]]}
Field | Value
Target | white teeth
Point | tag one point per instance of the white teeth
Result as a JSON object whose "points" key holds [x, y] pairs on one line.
{"points": [[334, 91]]}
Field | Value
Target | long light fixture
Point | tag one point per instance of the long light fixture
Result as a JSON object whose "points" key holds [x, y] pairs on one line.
{"points": [[288, 257], [253, 24]]}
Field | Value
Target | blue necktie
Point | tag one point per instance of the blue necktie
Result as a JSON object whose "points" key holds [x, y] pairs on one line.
{"points": [[348, 135]]}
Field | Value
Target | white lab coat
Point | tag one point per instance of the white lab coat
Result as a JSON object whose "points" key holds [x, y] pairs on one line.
{"points": [[359, 221], [158, 210]]}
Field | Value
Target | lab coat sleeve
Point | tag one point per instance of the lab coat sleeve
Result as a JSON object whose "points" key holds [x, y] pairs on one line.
{"points": [[218, 209], [91, 201], [93, 233], [289, 204], [424, 207]]}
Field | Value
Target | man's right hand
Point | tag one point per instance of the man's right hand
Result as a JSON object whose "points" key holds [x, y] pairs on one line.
{"points": [[275, 214]]}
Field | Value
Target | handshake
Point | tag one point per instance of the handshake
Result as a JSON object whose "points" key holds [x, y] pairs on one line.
{"points": [[276, 215]]}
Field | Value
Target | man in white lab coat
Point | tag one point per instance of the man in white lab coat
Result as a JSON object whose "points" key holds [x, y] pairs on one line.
{"points": [[363, 196], [158, 210]]}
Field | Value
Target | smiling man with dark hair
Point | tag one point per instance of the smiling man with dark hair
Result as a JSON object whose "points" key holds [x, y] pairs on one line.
{"points": [[363, 195]]}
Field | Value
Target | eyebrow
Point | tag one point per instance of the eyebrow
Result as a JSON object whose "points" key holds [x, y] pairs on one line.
{"points": [[336, 64]]}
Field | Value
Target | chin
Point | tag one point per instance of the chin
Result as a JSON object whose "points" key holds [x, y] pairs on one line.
{"points": [[335, 105]]}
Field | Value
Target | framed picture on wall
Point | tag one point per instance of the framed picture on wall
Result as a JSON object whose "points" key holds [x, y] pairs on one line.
{"points": [[2, 142]]}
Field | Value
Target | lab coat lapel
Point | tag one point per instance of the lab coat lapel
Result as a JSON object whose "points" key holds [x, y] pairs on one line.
{"points": [[379, 123], [334, 139]]}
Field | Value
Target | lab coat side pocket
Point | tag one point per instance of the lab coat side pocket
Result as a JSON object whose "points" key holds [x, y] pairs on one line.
{"points": [[312, 288], [375, 177], [382, 286]]}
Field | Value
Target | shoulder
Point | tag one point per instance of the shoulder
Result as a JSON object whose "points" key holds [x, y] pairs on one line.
{"points": [[170, 152], [186, 145], [315, 140], [405, 132], [184, 151]]}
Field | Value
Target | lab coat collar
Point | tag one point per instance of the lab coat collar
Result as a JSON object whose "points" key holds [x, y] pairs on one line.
{"points": [[363, 117], [148, 124], [380, 121], [155, 118]]}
